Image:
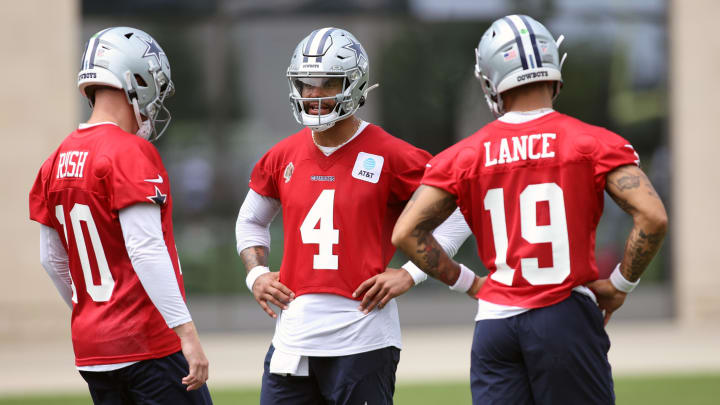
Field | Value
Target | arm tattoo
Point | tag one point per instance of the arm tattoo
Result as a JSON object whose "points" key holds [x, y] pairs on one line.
{"points": [[633, 192], [623, 203], [254, 256], [627, 182], [434, 260], [639, 251]]}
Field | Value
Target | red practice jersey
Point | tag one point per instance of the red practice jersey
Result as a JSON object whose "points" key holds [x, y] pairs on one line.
{"points": [[338, 210], [532, 194], [79, 190]]}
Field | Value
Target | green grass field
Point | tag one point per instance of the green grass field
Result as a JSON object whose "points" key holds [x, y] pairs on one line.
{"points": [[657, 390]]}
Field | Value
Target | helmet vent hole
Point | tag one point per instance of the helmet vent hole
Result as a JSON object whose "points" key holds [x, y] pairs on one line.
{"points": [[362, 86], [341, 57], [128, 35], [493, 35], [140, 81]]}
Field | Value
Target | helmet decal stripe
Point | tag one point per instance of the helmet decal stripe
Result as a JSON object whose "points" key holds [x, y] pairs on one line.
{"points": [[524, 36], [306, 52], [82, 61], [91, 64], [538, 59], [321, 46], [316, 50], [518, 41]]}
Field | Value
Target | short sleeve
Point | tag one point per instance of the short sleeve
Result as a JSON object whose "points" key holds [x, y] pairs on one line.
{"points": [[614, 151], [138, 176], [441, 172], [39, 210], [262, 178], [409, 171]]}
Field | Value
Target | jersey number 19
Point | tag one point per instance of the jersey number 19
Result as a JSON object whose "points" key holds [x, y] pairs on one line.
{"points": [[555, 233]]}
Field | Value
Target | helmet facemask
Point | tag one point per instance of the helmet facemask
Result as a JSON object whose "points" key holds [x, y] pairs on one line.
{"points": [[154, 111], [344, 106], [340, 104]]}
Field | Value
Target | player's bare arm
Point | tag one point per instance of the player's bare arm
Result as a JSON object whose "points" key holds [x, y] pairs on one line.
{"points": [[194, 354], [254, 256], [428, 208], [633, 192], [630, 188], [267, 287]]}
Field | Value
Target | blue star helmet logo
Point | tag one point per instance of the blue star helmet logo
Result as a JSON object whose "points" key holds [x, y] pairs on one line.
{"points": [[355, 47], [152, 49], [159, 198]]}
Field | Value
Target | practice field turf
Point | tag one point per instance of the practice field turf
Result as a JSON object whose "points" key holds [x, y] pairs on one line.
{"points": [[685, 390]]}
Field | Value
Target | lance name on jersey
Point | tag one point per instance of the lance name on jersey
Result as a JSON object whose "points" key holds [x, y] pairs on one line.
{"points": [[524, 148]]}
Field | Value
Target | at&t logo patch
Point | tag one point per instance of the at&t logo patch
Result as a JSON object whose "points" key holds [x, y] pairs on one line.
{"points": [[368, 167]]}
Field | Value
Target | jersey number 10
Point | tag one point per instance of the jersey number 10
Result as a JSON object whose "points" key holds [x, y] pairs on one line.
{"points": [[81, 212]]}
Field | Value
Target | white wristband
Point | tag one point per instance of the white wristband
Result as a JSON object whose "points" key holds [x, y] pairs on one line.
{"points": [[465, 280], [253, 274], [620, 282], [417, 275]]}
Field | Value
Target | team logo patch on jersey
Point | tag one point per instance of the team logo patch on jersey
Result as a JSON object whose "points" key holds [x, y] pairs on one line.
{"points": [[289, 169], [368, 167], [159, 198]]}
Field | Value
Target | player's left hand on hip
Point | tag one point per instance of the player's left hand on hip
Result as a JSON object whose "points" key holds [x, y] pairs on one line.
{"points": [[609, 298], [382, 288]]}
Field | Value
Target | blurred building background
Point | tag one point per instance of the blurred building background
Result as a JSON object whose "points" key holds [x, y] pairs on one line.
{"points": [[644, 69]]}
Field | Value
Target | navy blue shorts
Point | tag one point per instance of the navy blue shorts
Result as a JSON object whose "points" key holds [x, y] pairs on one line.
{"points": [[363, 378], [551, 355], [154, 381]]}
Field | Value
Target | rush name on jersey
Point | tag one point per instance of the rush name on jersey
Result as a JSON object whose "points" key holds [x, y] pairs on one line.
{"points": [[79, 191], [338, 210], [532, 194]]}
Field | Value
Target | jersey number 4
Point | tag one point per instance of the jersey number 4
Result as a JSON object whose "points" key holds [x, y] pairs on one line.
{"points": [[325, 235], [81, 213], [555, 233]]}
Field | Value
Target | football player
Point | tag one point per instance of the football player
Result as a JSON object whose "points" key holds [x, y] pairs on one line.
{"points": [[530, 185], [341, 183], [106, 238]]}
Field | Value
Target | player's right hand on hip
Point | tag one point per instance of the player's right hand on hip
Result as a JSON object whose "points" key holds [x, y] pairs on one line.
{"points": [[268, 288]]}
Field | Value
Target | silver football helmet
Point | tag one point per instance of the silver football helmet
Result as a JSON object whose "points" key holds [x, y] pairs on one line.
{"points": [[329, 58], [514, 51], [130, 59]]}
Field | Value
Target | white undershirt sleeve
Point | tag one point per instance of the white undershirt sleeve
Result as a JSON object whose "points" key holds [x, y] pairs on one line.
{"points": [[142, 229], [253, 223], [54, 259], [451, 234]]}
